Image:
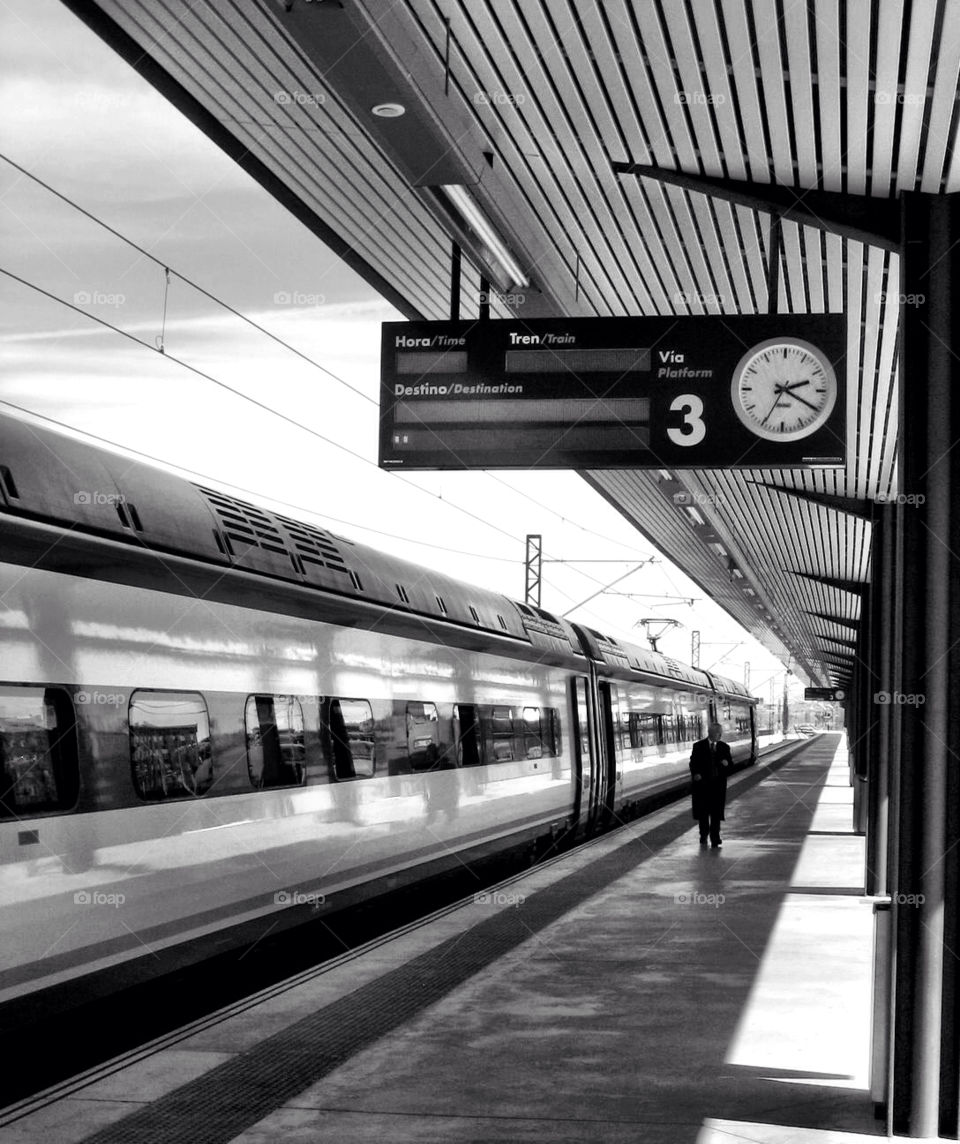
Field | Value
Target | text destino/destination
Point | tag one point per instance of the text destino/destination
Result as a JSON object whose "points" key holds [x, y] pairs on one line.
{"points": [[457, 389]]}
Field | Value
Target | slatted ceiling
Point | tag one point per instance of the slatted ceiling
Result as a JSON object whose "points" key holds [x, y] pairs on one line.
{"points": [[657, 271], [942, 110], [606, 90], [689, 78], [793, 267], [765, 42], [205, 70], [600, 82], [923, 18], [797, 29], [563, 197], [885, 102], [857, 97], [590, 109]]}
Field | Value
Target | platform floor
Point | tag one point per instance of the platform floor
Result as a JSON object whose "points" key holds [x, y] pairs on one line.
{"points": [[640, 989]]}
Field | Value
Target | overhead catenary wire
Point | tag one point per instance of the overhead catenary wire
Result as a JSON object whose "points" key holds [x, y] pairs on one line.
{"points": [[246, 397], [261, 329], [268, 409]]}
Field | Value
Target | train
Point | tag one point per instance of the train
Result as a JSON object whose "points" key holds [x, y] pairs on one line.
{"points": [[217, 721]]}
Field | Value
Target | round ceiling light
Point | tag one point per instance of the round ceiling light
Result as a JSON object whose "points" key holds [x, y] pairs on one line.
{"points": [[388, 110]]}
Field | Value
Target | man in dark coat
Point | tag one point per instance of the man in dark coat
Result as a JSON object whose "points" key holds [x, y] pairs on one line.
{"points": [[710, 762]]}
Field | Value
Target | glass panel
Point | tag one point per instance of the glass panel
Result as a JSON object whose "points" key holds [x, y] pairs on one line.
{"points": [[351, 728], [276, 755], [38, 752], [169, 744], [532, 733], [423, 734]]}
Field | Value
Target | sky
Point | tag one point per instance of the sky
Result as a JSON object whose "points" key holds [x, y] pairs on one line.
{"points": [[80, 120]]}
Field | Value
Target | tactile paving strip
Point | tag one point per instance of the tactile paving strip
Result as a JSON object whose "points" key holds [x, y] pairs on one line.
{"points": [[233, 1096]]}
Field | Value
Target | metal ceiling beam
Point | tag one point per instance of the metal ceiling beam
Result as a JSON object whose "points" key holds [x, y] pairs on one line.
{"points": [[853, 506], [874, 221], [856, 587], [833, 639], [841, 620]]}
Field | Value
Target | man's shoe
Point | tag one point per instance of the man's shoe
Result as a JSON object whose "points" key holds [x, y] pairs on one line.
{"points": [[703, 841], [716, 845]]}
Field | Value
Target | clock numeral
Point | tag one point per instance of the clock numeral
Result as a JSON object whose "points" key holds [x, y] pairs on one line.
{"points": [[693, 428]]}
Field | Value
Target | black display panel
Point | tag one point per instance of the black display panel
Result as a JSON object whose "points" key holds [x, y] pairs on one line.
{"points": [[756, 391]]}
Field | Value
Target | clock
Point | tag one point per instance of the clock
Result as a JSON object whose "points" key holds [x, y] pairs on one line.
{"points": [[784, 389]]}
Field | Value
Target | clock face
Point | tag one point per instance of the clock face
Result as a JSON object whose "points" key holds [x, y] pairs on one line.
{"points": [[783, 389]]}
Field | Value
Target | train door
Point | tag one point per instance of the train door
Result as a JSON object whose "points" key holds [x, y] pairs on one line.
{"points": [[583, 742], [609, 725]]}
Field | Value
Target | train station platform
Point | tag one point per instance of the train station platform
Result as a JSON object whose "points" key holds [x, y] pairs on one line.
{"points": [[638, 989]]}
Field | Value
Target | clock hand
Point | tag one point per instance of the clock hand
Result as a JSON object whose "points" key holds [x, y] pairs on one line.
{"points": [[809, 404], [794, 385], [779, 392]]}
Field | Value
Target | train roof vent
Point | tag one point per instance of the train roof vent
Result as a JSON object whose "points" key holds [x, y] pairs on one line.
{"points": [[524, 609], [244, 523], [314, 545], [545, 615]]}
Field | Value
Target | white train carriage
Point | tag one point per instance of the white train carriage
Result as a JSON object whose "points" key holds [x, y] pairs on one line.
{"points": [[216, 721]]}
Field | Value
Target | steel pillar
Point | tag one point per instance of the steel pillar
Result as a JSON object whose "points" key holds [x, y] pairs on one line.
{"points": [[533, 569], [927, 587]]}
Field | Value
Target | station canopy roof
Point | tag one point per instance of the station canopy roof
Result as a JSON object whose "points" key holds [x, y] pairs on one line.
{"points": [[632, 157]]}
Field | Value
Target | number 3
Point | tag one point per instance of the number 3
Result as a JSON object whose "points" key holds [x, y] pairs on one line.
{"points": [[693, 429]]}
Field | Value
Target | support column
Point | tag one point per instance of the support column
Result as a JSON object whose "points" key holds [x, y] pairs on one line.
{"points": [[925, 1034], [880, 671]]}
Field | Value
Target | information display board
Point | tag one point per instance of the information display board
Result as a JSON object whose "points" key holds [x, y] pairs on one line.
{"points": [[756, 391]]}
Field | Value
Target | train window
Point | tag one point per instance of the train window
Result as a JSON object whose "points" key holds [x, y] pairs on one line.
{"points": [[643, 728], [532, 733], [541, 732], [39, 769], [170, 744], [497, 724], [276, 755], [423, 734], [552, 728], [351, 738], [669, 732], [466, 729]]}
